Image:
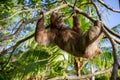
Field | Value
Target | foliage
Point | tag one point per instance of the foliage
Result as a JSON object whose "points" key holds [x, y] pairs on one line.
{"points": [[32, 61]]}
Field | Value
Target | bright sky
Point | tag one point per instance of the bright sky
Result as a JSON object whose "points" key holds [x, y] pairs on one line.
{"points": [[112, 19]]}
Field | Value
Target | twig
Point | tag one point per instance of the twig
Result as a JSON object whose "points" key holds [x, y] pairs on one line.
{"points": [[82, 77], [114, 10]]}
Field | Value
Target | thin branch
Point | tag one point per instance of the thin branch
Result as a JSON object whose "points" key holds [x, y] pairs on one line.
{"points": [[15, 46], [82, 77], [29, 21], [117, 41], [97, 10], [112, 32], [114, 10], [110, 35]]}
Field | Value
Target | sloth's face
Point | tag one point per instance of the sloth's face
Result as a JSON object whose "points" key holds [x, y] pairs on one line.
{"points": [[56, 17]]}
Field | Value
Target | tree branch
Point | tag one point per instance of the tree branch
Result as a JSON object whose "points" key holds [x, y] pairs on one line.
{"points": [[82, 77], [29, 21], [17, 44], [114, 10]]}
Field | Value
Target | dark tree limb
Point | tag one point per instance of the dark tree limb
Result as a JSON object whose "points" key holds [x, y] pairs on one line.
{"points": [[117, 41], [114, 10], [115, 65]]}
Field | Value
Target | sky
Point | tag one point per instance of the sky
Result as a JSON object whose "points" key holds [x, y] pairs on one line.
{"points": [[112, 18]]}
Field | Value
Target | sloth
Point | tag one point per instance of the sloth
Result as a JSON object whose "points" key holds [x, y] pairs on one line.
{"points": [[72, 40]]}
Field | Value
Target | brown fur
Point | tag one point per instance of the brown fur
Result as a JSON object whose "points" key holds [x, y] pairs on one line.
{"points": [[70, 40]]}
